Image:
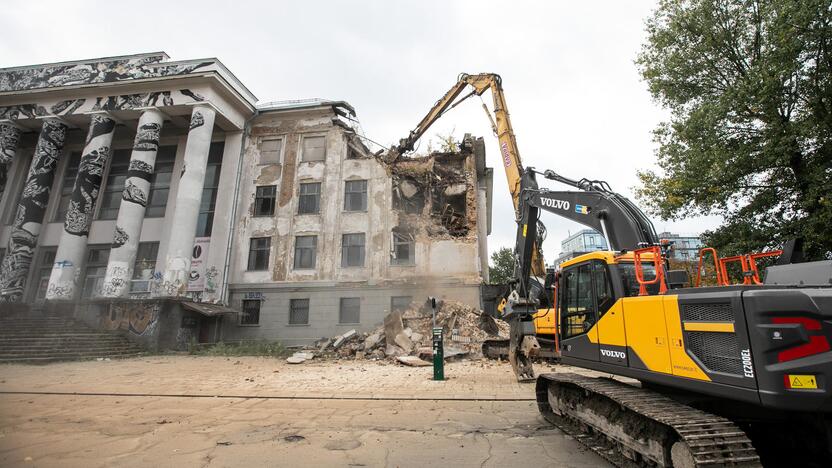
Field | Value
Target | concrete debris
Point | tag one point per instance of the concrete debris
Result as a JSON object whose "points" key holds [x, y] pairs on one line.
{"points": [[408, 334], [412, 361], [299, 357]]}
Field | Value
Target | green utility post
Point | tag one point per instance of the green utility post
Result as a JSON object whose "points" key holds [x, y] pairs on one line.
{"points": [[438, 348]]}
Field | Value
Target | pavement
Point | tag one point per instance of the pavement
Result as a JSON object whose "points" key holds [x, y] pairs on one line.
{"points": [[253, 411]]}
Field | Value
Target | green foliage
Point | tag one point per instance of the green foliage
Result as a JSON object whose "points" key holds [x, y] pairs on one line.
{"points": [[501, 269], [749, 87], [242, 348]]}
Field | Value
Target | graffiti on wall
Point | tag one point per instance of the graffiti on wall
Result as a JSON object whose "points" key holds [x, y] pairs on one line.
{"points": [[137, 318]]}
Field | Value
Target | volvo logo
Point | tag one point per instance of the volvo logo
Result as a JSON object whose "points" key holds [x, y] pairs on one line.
{"points": [[614, 354], [552, 203]]}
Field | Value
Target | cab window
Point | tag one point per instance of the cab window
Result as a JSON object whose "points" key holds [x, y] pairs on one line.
{"points": [[603, 290], [578, 312]]}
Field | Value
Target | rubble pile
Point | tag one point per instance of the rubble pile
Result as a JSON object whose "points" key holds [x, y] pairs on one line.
{"points": [[407, 335]]}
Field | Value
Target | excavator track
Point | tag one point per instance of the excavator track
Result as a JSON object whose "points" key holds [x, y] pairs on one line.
{"points": [[631, 426]]}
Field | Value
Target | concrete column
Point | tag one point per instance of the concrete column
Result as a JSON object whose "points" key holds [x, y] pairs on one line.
{"points": [[72, 248], [9, 137], [30, 210], [133, 205], [188, 198]]}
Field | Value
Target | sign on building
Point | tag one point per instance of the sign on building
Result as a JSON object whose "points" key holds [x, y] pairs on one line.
{"points": [[196, 279]]}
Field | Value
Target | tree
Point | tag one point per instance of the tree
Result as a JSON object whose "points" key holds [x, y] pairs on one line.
{"points": [[749, 87], [501, 269]]}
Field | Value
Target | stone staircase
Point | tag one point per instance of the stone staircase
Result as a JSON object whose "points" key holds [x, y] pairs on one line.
{"points": [[33, 339]]}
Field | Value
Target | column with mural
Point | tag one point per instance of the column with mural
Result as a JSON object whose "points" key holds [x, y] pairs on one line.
{"points": [[188, 198], [134, 200], [72, 247], [9, 138], [30, 211]]}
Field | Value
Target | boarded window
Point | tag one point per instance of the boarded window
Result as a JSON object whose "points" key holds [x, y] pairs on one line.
{"points": [[270, 150], [352, 250], [251, 312], [355, 195], [404, 248], [309, 200], [264, 199], [400, 303], [299, 312], [314, 149], [144, 266], [258, 253], [305, 251], [350, 311]]}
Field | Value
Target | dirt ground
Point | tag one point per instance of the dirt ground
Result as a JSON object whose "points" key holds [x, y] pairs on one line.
{"points": [[201, 411]]}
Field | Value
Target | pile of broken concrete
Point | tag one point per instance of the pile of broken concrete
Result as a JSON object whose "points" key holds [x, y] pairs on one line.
{"points": [[406, 336]]}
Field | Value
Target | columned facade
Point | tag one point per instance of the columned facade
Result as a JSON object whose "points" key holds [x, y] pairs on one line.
{"points": [[188, 198], [9, 138], [134, 201], [30, 210], [72, 248]]}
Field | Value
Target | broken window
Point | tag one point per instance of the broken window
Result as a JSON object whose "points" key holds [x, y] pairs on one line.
{"points": [[270, 150], [355, 195], [352, 250], [144, 266], [314, 148], [251, 312], [305, 251], [404, 248], [400, 303], [67, 184], [299, 312], [205, 221], [408, 195], [96, 267], [264, 199], [157, 200], [350, 310], [45, 263], [309, 200], [450, 205], [110, 197], [258, 253]]}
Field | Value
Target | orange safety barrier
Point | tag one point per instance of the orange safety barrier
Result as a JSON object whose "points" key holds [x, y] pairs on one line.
{"points": [[658, 263], [720, 281]]}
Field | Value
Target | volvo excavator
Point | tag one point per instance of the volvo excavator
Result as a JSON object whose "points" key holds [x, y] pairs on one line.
{"points": [[694, 376]]}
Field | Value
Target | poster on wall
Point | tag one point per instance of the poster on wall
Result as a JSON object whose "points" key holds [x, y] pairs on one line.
{"points": [[196, 279]]}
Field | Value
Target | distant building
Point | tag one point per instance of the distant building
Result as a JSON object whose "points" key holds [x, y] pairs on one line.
{"points": [[685, 247], [586, 240]]}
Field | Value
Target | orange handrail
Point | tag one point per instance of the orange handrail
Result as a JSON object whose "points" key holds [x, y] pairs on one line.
{"points": [[752, 261], [746, 272], [658, 264], [720, 281]]}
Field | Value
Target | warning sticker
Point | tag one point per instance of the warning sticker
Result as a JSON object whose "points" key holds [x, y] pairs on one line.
{"points": [[801, 381]]}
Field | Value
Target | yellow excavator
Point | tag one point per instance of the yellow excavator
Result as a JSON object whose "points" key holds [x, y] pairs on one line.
{"points": [[731, 375]]}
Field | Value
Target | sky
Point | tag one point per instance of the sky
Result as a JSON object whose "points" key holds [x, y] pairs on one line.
{"points": [[577, 102]]}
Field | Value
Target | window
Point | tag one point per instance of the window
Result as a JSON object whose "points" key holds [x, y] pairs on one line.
{"points": [[355, 195], [352, 250], [603, 291], [144, 267], [305, 250], [309, 201], [403, 248], [314, 148], [258, 253], [157, 199], [350, 310], [45, 263], [264, 198], [96, 267], [111, 193], [270, 150], [400, 303], [67, 184], [299, 312], [205, 222], [251, 312], [577, 308]]}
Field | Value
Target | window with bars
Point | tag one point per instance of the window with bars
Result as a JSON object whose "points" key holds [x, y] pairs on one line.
{"points": [[144, 266], [314, 149], [400, 303], [355, 195], [46, 259], [270, 150], [157, 199], [110, 198], [299, 312], [251, 312], [404, 246], [305, 251], [309, 199], [350, 310], [258, 253], [352, 250], [94, 271], [67, 184], [205, 221], [264, 200]]}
